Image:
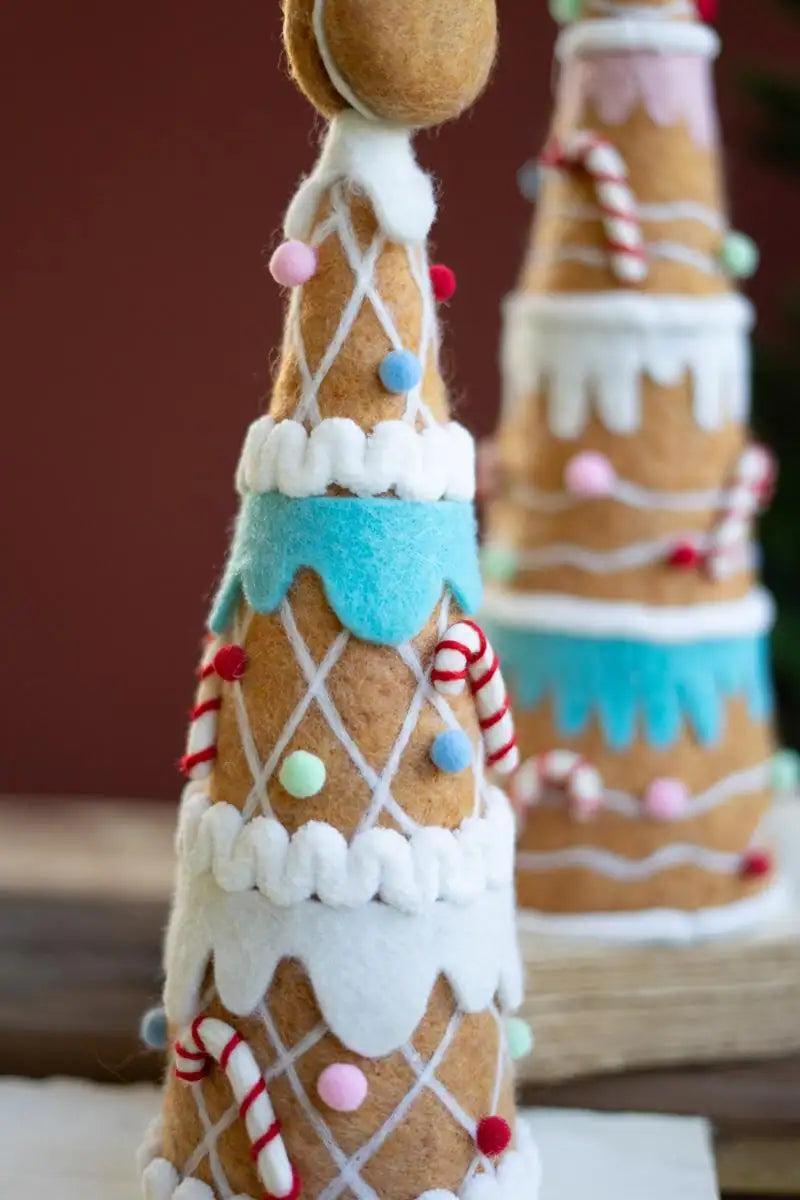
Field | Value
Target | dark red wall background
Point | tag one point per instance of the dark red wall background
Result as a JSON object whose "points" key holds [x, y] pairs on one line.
{"points": [[149, 151]]}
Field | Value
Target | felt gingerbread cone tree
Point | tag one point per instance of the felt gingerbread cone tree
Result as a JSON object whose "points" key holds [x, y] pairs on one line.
{"points": [[620, 542], [341, 958]]}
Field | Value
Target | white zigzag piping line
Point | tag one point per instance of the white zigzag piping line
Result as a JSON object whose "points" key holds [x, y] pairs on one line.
{"points": [[632, 495], [644, 12], [592, 353], [637, 554], [621, 34], [516, 1177], [738, 783], [594, 256], [678, 210], [407, 873], [631, 870], [556, 613], [435, 463]]}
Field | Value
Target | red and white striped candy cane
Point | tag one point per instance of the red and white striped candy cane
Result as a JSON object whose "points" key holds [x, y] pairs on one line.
{"points": [[619, 212], [201, 745], [466, 651], [559, 768], [750, 492], [208, 1039]]}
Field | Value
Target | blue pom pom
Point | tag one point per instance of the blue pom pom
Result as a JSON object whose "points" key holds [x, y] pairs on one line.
{"points": [[529, 179], [400, 371], [153, 1029], [451, 751]]}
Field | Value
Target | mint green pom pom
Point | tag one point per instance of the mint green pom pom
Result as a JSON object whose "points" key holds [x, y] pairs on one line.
{"points": [[519, 1036], [499, 563], [740, 256], [786, 771], [302, 774], [565, 10]]}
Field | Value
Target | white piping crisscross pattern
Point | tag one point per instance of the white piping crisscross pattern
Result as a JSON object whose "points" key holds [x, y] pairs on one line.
{"points": [[316, 677], [349, 1167], [363, 264]]}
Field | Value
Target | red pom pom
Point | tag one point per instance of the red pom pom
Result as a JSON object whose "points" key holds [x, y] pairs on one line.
{"points": [[230, 662], [493, 1136], [708, 9], [686, 556], [756, 864], [443, 282]]}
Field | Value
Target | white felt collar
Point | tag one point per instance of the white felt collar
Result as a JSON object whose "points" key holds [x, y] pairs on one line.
{"points": [[624, 34], [378, 160]]}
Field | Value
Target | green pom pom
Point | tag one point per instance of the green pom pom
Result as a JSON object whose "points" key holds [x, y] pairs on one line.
{"points": [[786, 771], [302, 774], [740, 256], [499, 563], [519, 1036], [564, 11]]}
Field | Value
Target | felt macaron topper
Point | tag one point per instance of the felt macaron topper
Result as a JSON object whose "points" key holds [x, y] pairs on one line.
{"points": [[407, 62]]}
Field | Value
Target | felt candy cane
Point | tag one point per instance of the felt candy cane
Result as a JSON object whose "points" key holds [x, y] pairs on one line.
{"points": [[750, 492], [207, 1040], [606, 168], [201, 745], [463, 652], [559, 768]]}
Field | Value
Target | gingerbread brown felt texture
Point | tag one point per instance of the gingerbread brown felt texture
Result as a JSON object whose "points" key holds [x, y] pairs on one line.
{"points": [[729, 827], [427, 1150], [664, 163], [372, 689], [352, 387], [669, 452], [410, 62]]}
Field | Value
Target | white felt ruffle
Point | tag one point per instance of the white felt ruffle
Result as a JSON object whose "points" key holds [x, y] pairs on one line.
{"points": [[407, 873], [375, 159], [594, 350], [435, 463], [372, 968]]}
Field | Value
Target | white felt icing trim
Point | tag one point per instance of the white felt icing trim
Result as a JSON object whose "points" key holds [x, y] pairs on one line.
{"points": [[739, 783], [376, 159], [754, 614], [630, 870], [633, 495], [621, 34], [601, 345], [328, 61], [667, 925], [631, 557], [435, 463], [644, 12], [409, 874], [372, 969], [517, 1176], [594, 256], [678, 210]]}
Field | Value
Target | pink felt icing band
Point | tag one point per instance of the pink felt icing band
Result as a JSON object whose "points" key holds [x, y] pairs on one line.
{"points": [[673, 88]]}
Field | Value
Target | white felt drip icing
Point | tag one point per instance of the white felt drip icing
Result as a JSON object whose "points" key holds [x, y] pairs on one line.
{"points": [[378, 160], [625, 34], [435, 463], [754, 614], [593, 351], [372, 969], [410, 874], [630, 557], [671, 926]]}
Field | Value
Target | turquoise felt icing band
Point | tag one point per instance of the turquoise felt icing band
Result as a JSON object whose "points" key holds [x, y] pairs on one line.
{"points": [[632, 685], [383, 563]]}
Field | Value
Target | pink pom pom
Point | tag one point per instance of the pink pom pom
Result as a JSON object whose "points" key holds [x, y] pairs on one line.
{"points": [[590, 474], [342, 1087], [293, 263], [667, 800]]}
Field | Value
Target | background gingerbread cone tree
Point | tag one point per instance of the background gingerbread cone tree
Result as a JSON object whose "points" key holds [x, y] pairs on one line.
{"points": [[624, 602], [341, 956]]}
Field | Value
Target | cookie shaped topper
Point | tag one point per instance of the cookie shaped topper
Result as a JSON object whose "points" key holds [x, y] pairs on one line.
{"points": [[407, 62]]}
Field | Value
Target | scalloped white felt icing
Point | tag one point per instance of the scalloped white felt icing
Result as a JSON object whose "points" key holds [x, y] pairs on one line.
{"points": [[622, 34], [670, 926], [407, 873], [434, 463], [372, 968], [378, 160], [755, 613], [602, 345]]}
